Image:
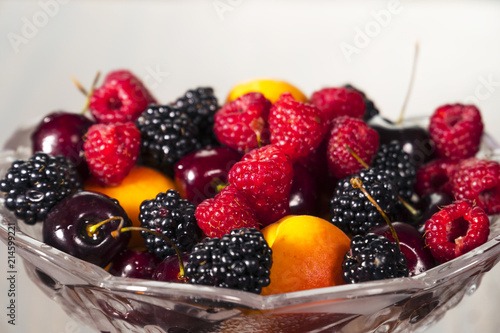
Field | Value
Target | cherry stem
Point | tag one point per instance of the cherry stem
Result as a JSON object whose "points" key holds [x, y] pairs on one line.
{"points": [[85, 92], [405, 203], [357, 183], [410, 86], [92, 228], [181, 275]]}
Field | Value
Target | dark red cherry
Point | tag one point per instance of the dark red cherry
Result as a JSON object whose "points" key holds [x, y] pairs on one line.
{"points": [[414, 139], [61, 133], [412, 244], [428, 205], [139, 264], [304, 194], [198, 174], [66, 227], [168, 269]]}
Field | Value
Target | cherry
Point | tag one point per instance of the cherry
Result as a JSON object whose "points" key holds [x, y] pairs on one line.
{"points": [[168, 269], [418, 256], [414, 139], [134, 263], [429, 205], [61, 133], [199, 173], [68, 227], [304, 194]]}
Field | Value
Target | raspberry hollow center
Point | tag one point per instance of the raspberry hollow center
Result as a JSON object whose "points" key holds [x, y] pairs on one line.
{"points": [[456, 230]]}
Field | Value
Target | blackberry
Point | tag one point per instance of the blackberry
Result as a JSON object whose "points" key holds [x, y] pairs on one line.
{"points": [[174, 218], [392, 157], [200, 105], [353, 212], [373, 257], [167, 135], [34, 186], [371, 109], [239, 260]]}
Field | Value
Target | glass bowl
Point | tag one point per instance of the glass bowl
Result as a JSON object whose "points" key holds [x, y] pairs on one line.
{"points": [[113, 304]]}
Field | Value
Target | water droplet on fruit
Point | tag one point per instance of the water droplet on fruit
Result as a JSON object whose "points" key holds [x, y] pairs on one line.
{"points": [[35, 196]]}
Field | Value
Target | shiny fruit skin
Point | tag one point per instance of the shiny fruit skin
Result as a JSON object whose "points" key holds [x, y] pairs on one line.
{"points": [[304, 194], [65, 228], [168, 269], [142, 183], [307, 253], [270, 88], [418, 256], [198, 174], [61, 133], [134, 263]]}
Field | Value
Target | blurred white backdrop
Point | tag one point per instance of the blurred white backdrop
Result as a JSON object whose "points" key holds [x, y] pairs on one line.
{"points": [[177, 45]]}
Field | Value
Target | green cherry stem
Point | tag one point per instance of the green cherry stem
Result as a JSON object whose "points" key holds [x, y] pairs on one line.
{"points": [[92, 228], [182, 274], [410, 86], [357, 183]]}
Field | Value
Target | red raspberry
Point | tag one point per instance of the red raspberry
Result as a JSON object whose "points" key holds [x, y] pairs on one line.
{"points": [[337, 102], [435, 176], [228, 210], [264, 176], [121, 98], [356, 134], [296, 127], [456, 131], [111, 151], [242, 123], [456, 229], [478, 180]]}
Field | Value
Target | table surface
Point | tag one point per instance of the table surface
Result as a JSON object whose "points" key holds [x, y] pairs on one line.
{"points": [[177, 45]]}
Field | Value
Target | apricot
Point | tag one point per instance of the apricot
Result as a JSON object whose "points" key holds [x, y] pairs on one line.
{"points": [[142, 183], [307, 253], [271, 89]]}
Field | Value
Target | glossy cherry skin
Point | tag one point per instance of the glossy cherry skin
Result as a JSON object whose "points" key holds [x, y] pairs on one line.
{"points": [[304, 194], [139, 264], [198, 173], [412, 244], [428, 205], [62, 133], [414, 139], [65, 227], [168, 269]]}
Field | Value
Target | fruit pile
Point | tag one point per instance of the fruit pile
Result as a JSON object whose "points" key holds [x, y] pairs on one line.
{"points": [[268, 192]]}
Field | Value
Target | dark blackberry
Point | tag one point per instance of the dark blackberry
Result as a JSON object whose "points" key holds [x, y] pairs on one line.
{"points": [[200, 105], [239, 260], [167, 135], [353, 212], [371, 109], [34, 186], [174, 218], [373, 257], [392, 157]]}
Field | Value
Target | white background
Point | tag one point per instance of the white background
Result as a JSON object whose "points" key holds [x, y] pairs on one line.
{"points": [[177, 45]]}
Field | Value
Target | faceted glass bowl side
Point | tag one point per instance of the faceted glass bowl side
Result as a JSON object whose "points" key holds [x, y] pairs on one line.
{"points": [[113, 304]]}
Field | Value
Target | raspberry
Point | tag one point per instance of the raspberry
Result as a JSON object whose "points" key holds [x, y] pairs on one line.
{"points": [[264, 176], [167, 135], [373, 257], [337, 102], [200, 105], [34, 186], [435, 176], [111, 151], [371, 109], [392, 157], [298, 128], [228, 210], [239, 260], [356, 134], [121, 98], [174, 218], [456, 131], [353, 212], [456, 229], [478, 180], [242, 123]]}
